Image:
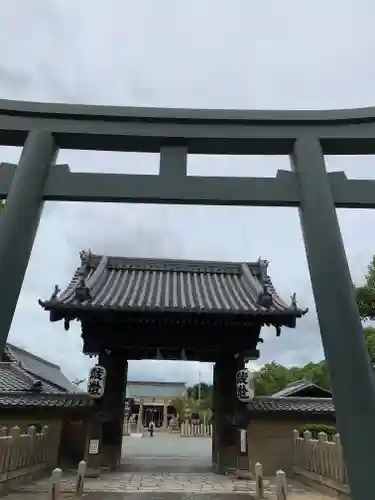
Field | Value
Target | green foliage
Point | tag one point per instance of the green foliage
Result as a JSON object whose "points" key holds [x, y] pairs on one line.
{"points": [[203, 390], [370, 340], [200, 397], [185, 405], [274, 377], [366, 294], [366, 305], [315, 429]]}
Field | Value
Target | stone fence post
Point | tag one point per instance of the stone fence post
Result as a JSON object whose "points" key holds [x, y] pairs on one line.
{"points": [[55, 485], [259, 486], [81, 471], [281, 487]]}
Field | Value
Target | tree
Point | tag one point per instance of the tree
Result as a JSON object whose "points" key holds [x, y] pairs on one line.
{"points": [[199, 391], [271, 378], [370, 340], [200, 394], [366, 294]]}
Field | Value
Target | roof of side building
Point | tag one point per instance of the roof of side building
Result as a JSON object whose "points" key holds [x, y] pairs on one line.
{"points": [[26, 380], [294, 388], [270, 405]]}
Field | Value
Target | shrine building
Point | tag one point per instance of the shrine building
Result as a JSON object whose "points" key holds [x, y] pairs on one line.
{"points": [[153, 401], [132, 308]]}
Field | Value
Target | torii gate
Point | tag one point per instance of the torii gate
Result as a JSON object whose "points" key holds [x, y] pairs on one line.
{"points": [[174, 133]]}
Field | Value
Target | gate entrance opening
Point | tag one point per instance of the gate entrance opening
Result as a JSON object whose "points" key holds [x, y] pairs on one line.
{"points": [[170, 309]]}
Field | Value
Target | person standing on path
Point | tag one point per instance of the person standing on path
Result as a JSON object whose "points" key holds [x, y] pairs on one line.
{"points": [[151, 428]]}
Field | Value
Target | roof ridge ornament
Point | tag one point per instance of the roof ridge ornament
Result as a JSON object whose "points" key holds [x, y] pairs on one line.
{"points": [[265, 296], [86, 257], [82, 291], [293, 301], [263, 264], [55, 292]]}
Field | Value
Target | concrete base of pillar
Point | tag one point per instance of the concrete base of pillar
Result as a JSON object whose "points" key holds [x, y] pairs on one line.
{"points": [[110, 456], [92, 473], [226, 459]]}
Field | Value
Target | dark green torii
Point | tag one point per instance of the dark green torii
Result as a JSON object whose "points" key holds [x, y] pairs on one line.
{"points": [[304, 135]]}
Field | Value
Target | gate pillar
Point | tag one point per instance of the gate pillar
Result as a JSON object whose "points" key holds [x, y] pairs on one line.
{"points": [[20, 220], [227, 404], [352, 378], [113, 408], [214, 417]]}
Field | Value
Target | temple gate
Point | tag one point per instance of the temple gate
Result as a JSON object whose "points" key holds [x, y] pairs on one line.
{"points": [[170, 309]]}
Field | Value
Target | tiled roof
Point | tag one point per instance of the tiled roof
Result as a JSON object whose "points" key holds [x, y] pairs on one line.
{"points": [[271, 404], [20, 399], [154, 389], [41, 368], [24, 382], [14, 378], [296, 387], [157, 285]]}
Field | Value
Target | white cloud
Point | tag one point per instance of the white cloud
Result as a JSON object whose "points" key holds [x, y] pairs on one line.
{"points": [[212, 54]]}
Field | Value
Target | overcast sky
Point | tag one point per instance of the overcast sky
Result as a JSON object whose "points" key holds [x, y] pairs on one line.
{"points": [[238, 54]]}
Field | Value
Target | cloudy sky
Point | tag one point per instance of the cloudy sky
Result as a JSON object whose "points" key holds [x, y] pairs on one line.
{"points": [[187, 53]]}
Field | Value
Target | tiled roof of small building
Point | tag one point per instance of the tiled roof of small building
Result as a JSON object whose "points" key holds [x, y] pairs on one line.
{"points": [[271, 404], [23, 400], [41, 368], [29, 381], [297, 386], [161, 285]]}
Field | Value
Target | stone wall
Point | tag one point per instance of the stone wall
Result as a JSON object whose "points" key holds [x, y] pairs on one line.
{"points": [[270, 443], [67, 431]]}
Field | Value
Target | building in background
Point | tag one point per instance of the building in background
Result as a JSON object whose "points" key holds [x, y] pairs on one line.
{"points": [[303, 389], [34, 392], [153, 401]]}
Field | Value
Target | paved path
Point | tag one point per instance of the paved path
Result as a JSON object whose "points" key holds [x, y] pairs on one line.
{"points": [[163, 468], [167, 453]]}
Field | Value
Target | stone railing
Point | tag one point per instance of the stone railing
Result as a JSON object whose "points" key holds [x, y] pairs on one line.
{"points": [[320, 460], [195, 430], [21, 455]]}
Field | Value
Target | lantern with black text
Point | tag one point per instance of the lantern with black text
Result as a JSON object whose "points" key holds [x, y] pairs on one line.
{"points": [[245, 385], [96, 382]]}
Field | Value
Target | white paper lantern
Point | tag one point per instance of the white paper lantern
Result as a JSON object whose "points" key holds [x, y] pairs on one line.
{"points": [[96, 382], [245, 385]]}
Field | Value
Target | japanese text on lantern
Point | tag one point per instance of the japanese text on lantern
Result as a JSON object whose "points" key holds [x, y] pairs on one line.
{"points": [[244, 384], [96, 382]]}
